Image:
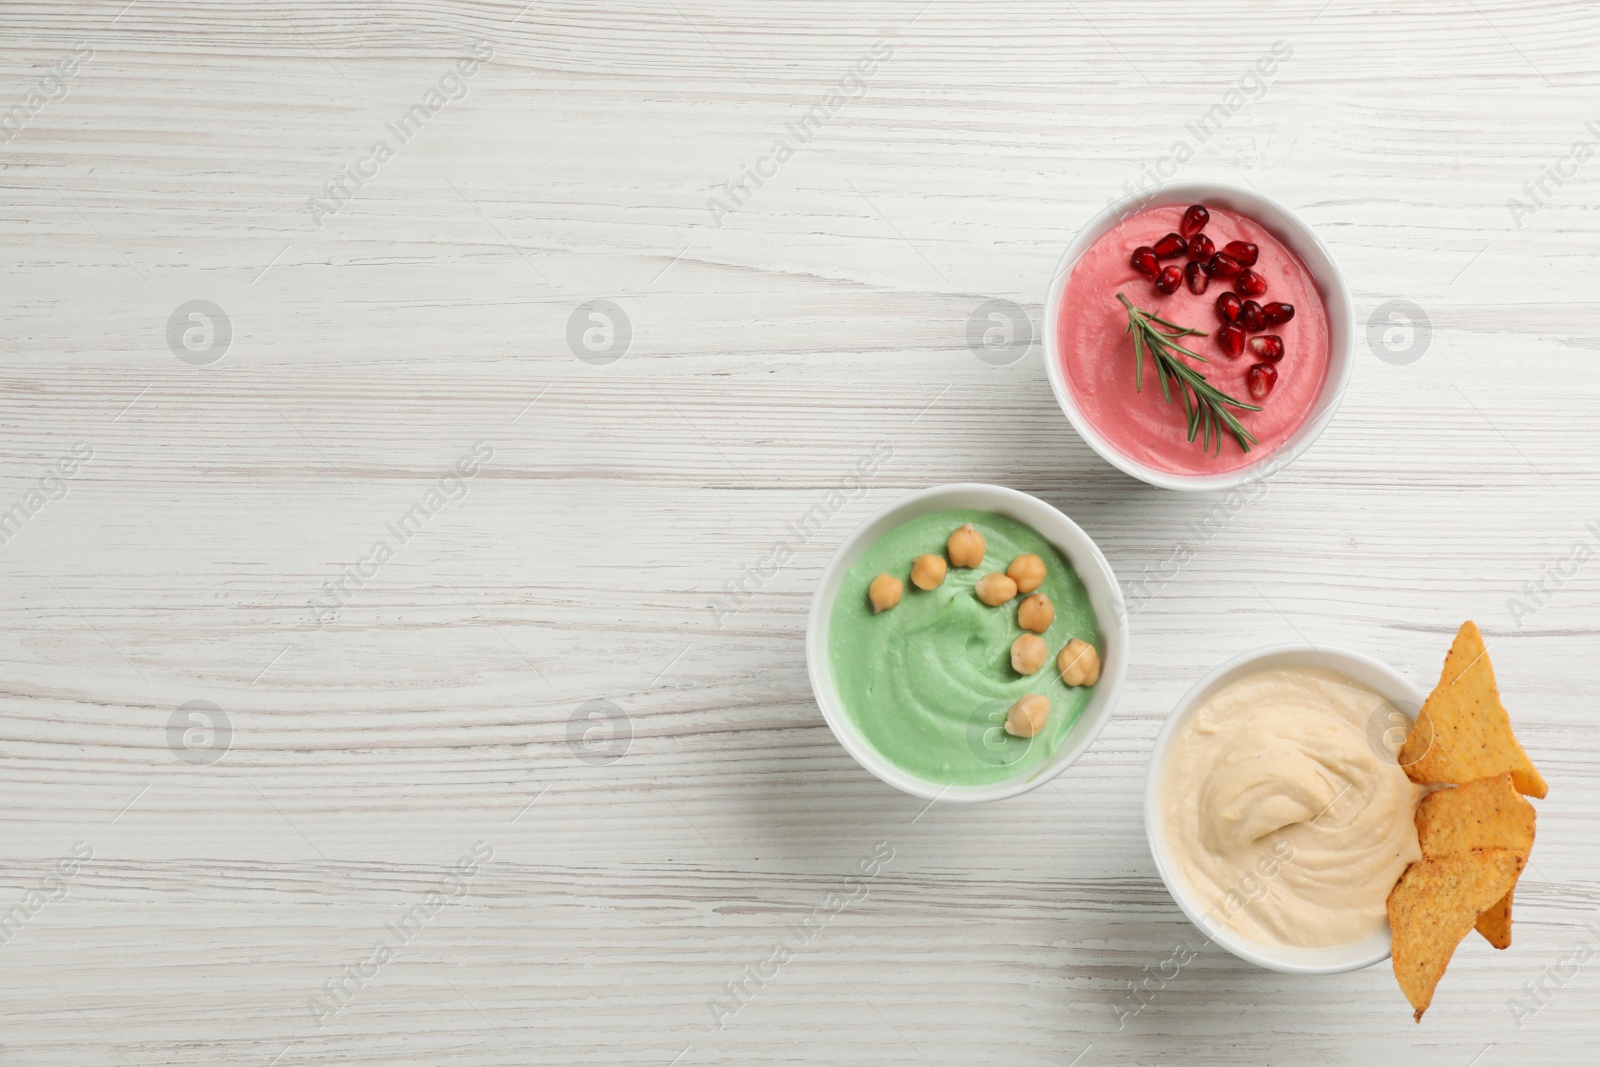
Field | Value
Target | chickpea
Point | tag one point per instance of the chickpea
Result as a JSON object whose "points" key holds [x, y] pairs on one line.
{"points": [[927, 572], [1036, 613], [1027, 571], [1079, 663], [1028, 653], [965, 546], [995, 589], [884, 592], [1026, 717]]}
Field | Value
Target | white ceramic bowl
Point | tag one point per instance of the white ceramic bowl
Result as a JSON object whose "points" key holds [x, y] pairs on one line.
{"points": [[1362, 670], [1105, 596], [1293, 232]]}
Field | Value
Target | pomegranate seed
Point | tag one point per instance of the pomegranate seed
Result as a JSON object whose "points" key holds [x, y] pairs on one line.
{"points": [[1171, 246], [1278, 313], [1144, 261], [1243, 251], [1201, 248], [1250, 283], [1228, 308], [1194, 220], [1169, 280], [1268, 346], [1261, 378], [1231, 340], [1196, 277], [1251, 317], [1225, 265]]}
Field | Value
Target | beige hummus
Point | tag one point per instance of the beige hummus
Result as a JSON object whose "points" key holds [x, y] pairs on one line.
{"points": [[1288, 824]]}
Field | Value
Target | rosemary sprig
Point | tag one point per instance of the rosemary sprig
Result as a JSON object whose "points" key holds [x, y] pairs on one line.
{"points": [[1203, 403]]}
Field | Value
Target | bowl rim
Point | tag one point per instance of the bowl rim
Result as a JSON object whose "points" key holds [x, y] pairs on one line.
{"points": [[1328, 277], [1068, 538], [1376, 675]]}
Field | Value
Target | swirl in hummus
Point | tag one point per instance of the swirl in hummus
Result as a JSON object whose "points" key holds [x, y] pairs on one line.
{"points": [[929, 684], [1285, 820]]}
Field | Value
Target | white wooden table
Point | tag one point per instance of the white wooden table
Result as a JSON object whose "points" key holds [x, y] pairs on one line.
{"points": [[238, 860]]}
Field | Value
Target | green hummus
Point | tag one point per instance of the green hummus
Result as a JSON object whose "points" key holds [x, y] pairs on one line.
{"points": [[928, 682]]}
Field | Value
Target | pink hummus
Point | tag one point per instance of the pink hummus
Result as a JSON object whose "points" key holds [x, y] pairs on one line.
{"points": [[1097, 352]]}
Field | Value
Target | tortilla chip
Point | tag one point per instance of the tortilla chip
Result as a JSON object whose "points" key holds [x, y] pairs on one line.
{"points": [[1495, 923], [1433, 906], [1463, 732], [1486, 813]]}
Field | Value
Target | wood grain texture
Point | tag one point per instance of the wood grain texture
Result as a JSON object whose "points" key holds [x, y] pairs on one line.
{"points": [[430, 312]]}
